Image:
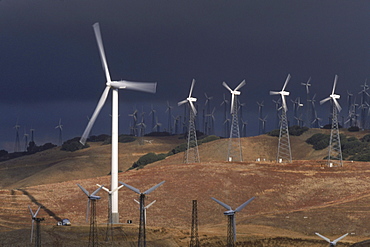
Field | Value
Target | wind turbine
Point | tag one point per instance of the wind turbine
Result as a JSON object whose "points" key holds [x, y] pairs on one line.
{"points": [[307, 85], [244, 128], [176, 121], [260, 106], [211, 125], [207, 106], [146, 207], [169, 109], [230, 213], [60, 127], [235, 149], [284, 152], [91, 206], [191, 153], [142, 234], [225, 102], [38, 220], [331, 243], [25, 140], [114, 86], [134, 125], [157, 126], [335, 150], [152, 112], [17, 147], [90, 197]]}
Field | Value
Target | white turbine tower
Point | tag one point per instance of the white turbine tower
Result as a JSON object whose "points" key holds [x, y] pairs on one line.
{"points": [[335, 150], [114, 86], [235, 149], [331, 243], [284, 153], [191, 153]]}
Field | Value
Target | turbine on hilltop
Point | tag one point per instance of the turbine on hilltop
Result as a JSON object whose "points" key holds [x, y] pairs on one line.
{"points": [[235, 149], [114, 86], [335, 150], [191, 153], [284, 153]]}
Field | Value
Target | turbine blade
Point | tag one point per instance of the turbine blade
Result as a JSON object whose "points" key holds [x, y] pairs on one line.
{"points": [[338, 239], [244, 204], [31, 212], [101, 50], [324, 100], [337, 104], [97, 190], [227, 86], [193, 107], [131, 187], [150, 204], [274, 93], [323, 237], [335, 83], [240, 85], [98, 108], [286, 82], [153, 188], [284, 103], [84, 190], [232, 103], [182, 102], [191, 87], [104, 188], [35, 215], [137, 201], [118, 188], [148, 87], [222, 204]]}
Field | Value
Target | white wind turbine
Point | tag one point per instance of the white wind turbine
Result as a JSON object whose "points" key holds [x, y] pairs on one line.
{"points": [[235, 149], [331, 243], [191, 153], [335, 150], [145, 207], [114, 86], [284, 151]]}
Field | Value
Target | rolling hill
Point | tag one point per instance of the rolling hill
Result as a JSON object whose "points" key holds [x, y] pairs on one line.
{"points": [[292, 200]]}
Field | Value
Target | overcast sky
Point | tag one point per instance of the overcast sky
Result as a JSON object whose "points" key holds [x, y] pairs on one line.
{"points": [[51, 69]]}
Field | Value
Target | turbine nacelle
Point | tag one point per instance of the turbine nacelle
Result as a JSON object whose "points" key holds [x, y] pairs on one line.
{"points": [[335, 96], [229, 212]]}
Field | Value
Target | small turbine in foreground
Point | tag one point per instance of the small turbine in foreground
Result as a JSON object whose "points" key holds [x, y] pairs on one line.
{"points": [[38, 220], [331, 243], [142, 234], [230, 213]]}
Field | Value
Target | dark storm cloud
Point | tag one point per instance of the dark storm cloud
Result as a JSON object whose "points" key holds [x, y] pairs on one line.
{"points": [[48, 52]]}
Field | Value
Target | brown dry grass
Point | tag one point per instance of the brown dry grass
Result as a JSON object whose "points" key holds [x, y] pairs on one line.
{"points": [[292, 200]]}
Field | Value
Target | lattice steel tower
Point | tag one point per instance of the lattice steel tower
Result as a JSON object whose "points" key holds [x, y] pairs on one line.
{"points": [[194, 238], [335, 150], [191, 154], [142, 232], [234, 151], [284, 153]]}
